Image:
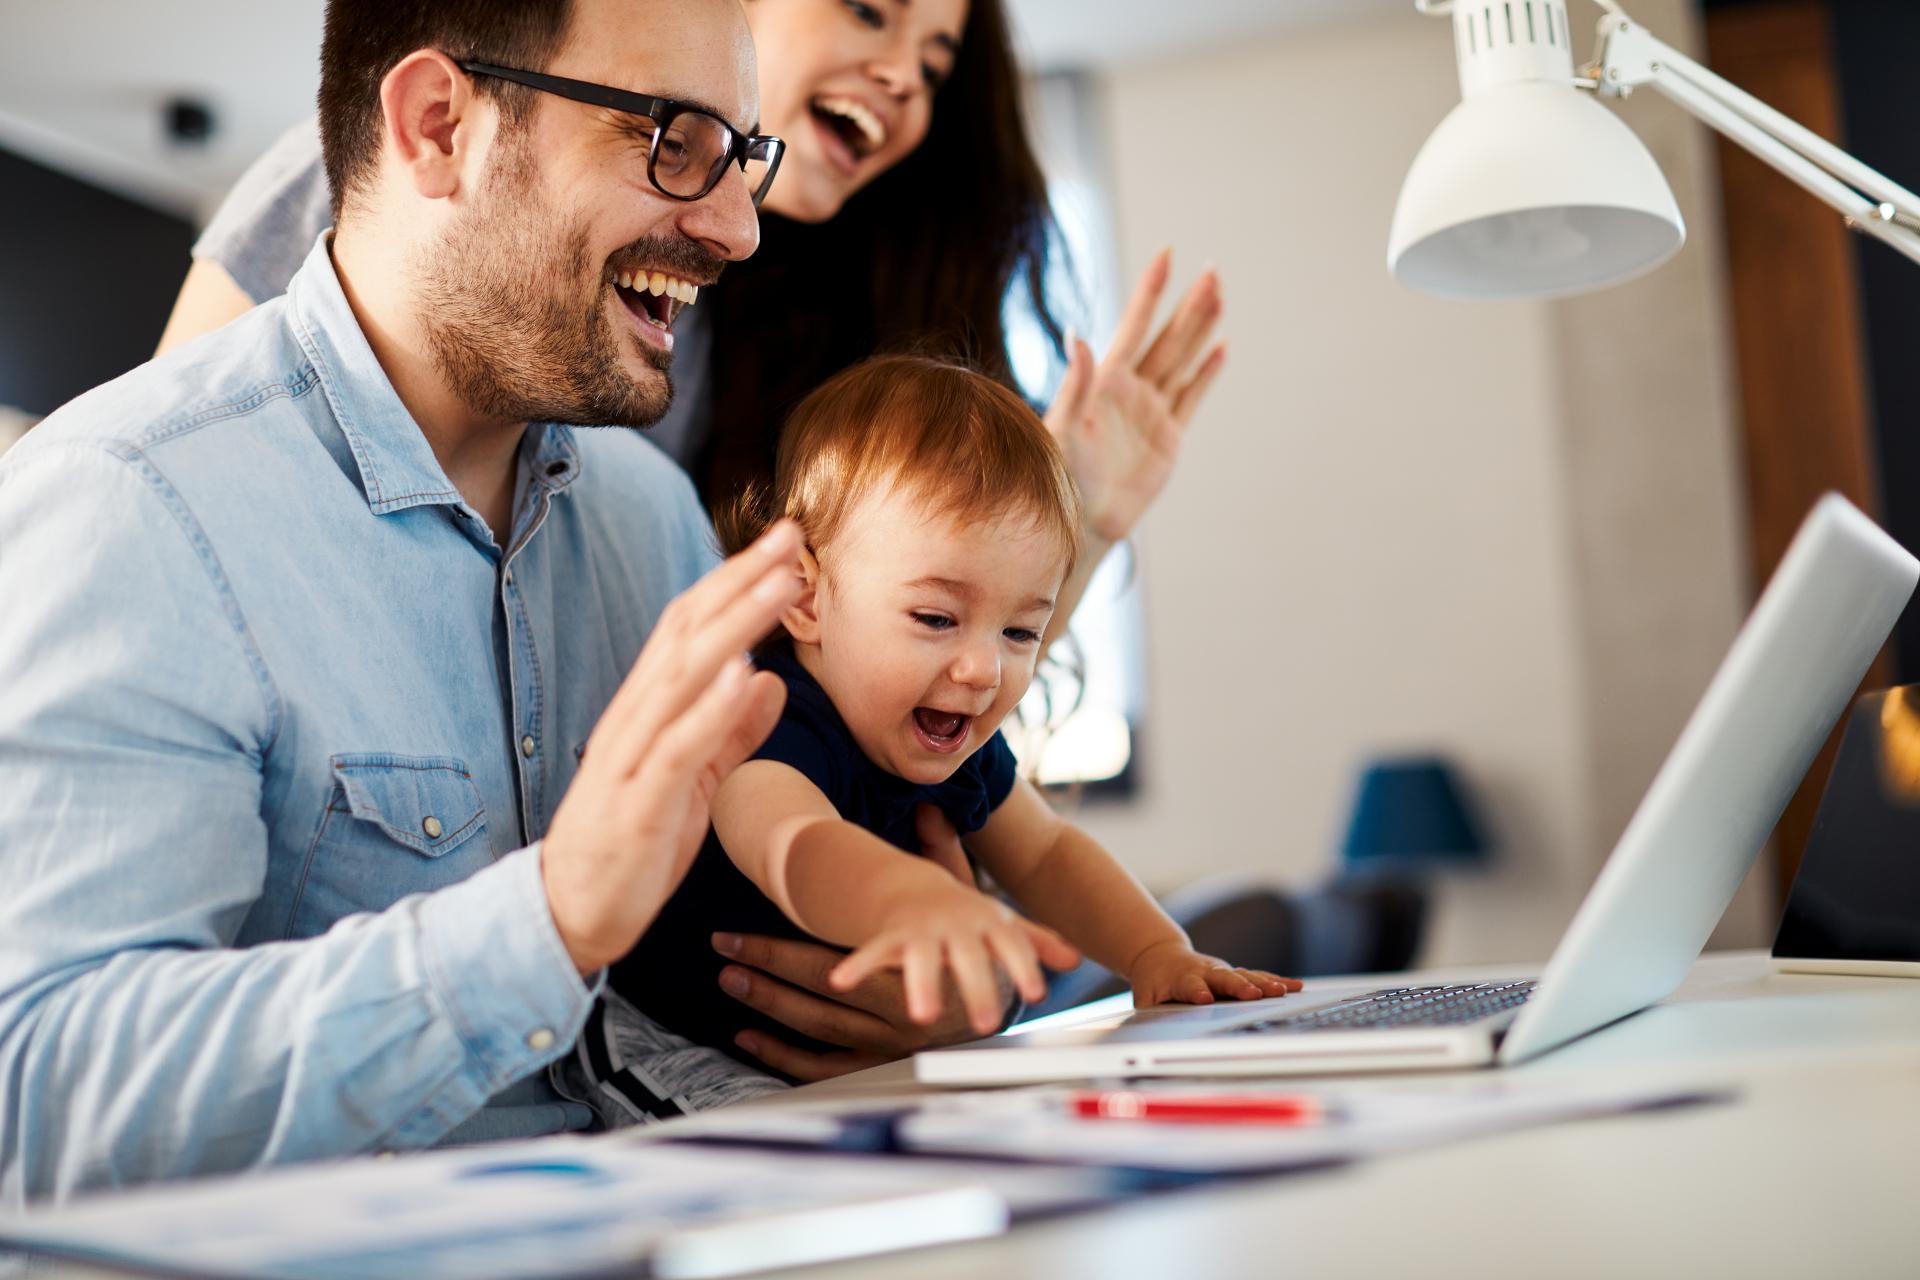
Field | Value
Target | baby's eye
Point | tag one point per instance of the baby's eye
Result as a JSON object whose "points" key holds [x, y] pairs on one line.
{"points": [[933, 621], [1022, 635]]}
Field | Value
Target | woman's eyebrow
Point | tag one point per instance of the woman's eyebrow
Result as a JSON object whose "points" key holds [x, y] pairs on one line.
{"points": [[950, 43]]}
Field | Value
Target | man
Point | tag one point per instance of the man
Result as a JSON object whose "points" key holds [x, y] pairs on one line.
{"points": [[331, 778]]}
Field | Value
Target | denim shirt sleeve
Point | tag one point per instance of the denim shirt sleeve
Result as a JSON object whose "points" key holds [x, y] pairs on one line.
{"points": [[135, 1041]]}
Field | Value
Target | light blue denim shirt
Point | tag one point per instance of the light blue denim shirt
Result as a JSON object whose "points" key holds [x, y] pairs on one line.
{"points": [[280, 729]]}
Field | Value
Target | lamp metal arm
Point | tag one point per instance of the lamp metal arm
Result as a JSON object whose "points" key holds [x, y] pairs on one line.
{"points": [[1630, 56]]}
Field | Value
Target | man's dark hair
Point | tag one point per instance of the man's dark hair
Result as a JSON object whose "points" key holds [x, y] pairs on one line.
{"points": [[365, 39]]}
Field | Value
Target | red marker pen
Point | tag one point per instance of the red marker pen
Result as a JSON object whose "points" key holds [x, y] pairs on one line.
{"points": [[1217, 1108]]}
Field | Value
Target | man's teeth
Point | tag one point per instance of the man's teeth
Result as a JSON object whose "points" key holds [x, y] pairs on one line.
{"points": [[657, 283], [863, 119]]}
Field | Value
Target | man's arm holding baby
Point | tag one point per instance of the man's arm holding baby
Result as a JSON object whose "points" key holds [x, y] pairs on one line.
{"points": [[1063, 878], [847, 886]]}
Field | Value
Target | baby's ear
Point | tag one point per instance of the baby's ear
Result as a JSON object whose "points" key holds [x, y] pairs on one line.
{"points": [[801, 619]]}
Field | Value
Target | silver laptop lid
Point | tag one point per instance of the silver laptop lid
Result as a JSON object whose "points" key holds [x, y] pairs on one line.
{"points": [[1790, 673]]}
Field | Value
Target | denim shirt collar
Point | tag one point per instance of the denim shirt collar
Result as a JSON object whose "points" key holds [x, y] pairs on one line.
{"points": [[397, 467]]}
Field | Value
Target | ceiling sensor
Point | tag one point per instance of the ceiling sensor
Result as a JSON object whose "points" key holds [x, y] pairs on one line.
{"points": [[189, 121]]}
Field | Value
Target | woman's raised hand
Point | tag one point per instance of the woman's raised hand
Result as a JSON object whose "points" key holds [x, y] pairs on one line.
{"points": [[1120, 421]]}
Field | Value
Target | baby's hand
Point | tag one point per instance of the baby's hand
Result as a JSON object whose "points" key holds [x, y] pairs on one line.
{"points": [[969, 933], [1172, 971]]}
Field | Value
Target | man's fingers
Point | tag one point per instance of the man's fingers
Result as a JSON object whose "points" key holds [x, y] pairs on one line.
{"points": [[802, 1064], [695, 656], [1054, 951], [940, 843], [724, 612], [804, 964], [690, 743], [808, 1014], [1140, 308], [760, 706], [738, 574], [1190, 395], [1186, 333]]}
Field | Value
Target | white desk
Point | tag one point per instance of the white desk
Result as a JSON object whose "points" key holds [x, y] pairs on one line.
{"points": [[1813, 1172]]}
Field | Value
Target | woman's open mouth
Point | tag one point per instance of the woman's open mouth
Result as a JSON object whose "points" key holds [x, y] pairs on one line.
{"points": [[653, 298], [940, 731], [849, 132]]}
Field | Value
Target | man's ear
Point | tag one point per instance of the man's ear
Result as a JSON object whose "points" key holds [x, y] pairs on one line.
{"points": [[427, 107], [802, 617]]}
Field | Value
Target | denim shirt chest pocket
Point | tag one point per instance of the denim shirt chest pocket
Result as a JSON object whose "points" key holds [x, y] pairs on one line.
{"points": [[392, 826]]}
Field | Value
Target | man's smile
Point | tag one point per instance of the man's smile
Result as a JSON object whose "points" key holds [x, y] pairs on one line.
{"points": [[654, 298]]}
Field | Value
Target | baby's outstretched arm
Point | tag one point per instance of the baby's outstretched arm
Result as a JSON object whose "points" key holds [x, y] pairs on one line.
{"points": [[847, 886], [1062, 877]]}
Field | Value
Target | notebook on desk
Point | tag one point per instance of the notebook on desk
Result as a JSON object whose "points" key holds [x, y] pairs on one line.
{"points": [[1802, 652]]}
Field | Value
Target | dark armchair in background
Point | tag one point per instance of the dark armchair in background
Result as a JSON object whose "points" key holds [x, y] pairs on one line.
{"points": [[1411, 820]]}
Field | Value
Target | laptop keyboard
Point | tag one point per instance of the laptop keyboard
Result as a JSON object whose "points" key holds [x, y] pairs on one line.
{"points": [[1405, 1007]]}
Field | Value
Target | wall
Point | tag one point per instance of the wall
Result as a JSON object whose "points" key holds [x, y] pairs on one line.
{"points": [[86, 281], [1408, 523]]}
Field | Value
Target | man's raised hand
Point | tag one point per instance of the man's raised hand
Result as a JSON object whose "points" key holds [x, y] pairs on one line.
{"points": [[689, 711]]}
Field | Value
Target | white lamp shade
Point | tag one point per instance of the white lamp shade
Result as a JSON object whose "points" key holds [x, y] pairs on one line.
{"points": [[1531, 190]]}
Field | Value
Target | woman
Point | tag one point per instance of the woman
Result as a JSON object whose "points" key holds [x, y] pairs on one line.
{"points": [[907, 204]]}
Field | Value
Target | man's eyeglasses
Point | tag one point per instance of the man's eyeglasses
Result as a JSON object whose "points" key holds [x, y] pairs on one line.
{"points": [[690, 149]]}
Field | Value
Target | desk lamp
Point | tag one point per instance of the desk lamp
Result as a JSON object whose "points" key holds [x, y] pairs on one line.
{"points": [[1530, 189], [1411, 816]]}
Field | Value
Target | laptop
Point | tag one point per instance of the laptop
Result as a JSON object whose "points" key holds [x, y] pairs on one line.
{"points": [[1855, 904], [1790, 673]]}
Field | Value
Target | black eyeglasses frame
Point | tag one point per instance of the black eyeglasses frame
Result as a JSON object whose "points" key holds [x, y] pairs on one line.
{"points": [[662, 112]]}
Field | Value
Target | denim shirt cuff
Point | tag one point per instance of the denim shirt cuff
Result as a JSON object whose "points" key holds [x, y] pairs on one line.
{"points": [[497, 962]]}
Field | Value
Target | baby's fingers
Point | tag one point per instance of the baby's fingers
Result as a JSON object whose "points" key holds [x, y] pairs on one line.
{"points": [[973, 974], [1191, 988], [1054, 951], [883, 952], [1232, 983], [1272, 984], [1015, 955], [920, 974]]}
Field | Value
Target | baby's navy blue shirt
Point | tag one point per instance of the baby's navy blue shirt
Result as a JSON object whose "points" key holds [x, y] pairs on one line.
{"points": [[673, 974]]}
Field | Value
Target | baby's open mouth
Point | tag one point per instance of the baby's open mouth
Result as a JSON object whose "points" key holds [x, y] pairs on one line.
{"points": [[653, 296], [942, 729]]}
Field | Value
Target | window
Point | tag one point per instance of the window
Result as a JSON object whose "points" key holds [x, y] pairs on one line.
{"points": [[1078, 723]]}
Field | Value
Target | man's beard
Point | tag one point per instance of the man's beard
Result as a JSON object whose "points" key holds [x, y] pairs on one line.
{"points": [[505, 321]]}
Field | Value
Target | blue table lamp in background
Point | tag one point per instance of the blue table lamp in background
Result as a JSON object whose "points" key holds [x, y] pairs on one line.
{"points": [[1412, 817]]}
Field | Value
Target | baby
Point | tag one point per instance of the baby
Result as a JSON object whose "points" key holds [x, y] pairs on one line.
{"points": [[940, 524]]}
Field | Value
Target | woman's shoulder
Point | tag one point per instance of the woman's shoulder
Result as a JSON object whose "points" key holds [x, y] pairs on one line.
{"points": [[268, 221]]}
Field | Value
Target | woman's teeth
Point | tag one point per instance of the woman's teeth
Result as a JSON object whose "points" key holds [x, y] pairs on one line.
{"points": [[872, 132]]}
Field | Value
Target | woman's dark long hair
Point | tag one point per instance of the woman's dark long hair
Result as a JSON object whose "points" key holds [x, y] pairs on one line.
{"points": [[922, 259]]}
